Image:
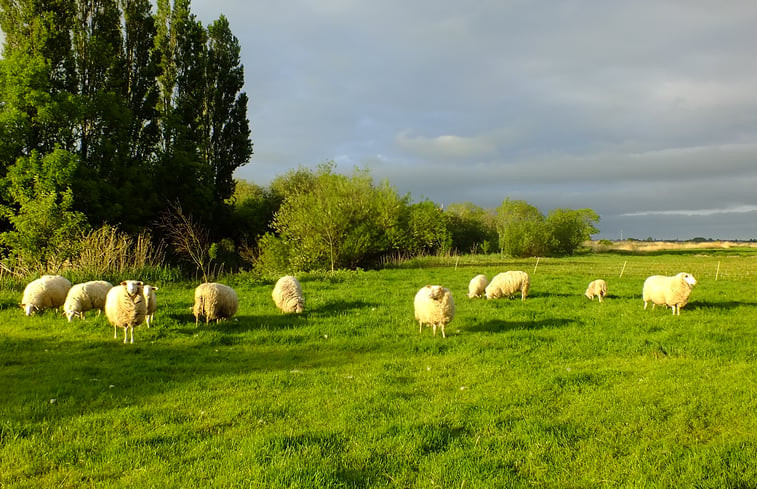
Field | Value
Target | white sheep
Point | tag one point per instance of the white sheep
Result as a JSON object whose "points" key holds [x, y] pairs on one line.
{"points": [[506, 284], [477, 286], [46, 292], [85, 296], [151, 302], [669, 291], [125, 307], [434, 306], [596, 288], [214, 301], [287, 295]]}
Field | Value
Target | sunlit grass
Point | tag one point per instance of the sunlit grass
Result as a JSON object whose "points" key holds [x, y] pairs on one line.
{"points": [[558, 391]]}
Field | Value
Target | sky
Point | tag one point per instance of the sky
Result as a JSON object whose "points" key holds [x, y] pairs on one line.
{"points": [[643, 110]]}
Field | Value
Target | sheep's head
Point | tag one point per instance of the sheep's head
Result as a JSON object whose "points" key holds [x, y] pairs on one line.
{"points": [[29, 309], [133, 287], [688, 278], [146, 289], [436, 292]]}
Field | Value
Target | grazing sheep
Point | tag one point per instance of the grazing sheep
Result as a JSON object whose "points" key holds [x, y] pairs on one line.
{"points": [[47, 292], [287, 295], [125, 307], [506, 284], [434, 306], [85, 296], [596, 288], [669, 291], [477, 286], [214, 301], [151, 302]]}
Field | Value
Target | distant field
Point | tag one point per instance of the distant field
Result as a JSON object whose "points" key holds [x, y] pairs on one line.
{"points": [[555, 392]]}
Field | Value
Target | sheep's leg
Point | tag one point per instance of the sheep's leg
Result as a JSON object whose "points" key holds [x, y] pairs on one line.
{"points": [[126, 333], [420, 329], [115, 332], [131, 329], [443, 335], [434, 327]]}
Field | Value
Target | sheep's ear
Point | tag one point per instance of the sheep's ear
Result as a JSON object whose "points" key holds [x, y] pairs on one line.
{"points": [[140, 284], [22, 306], [123, 282], [155, 289]]}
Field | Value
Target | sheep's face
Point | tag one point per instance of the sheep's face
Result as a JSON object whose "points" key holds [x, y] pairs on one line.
{"points": [[146, 289], [29, 309], [133, 287], [436, 292], [689, 279]]}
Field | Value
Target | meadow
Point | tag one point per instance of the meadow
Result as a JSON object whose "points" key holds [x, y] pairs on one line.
{"points": [[557, 391]]}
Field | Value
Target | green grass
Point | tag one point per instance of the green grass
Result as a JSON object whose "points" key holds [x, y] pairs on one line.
{"points": [[554, 392]]}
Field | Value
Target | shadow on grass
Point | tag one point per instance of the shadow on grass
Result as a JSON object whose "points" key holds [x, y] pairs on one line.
{"points": [[718, 304], [501, 326]]}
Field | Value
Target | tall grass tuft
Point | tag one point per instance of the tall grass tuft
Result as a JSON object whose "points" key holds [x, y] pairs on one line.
{"points": [[112, 253]]}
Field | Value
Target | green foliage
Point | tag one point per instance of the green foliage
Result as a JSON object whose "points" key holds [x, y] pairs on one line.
{"points": [[472, 228], [151, 105], [522, 229], [569, 228], [425, 229], [46, 230], [339, 222]]}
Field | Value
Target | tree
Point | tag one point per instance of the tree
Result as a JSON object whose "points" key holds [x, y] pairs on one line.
{"points": [[472, 228], [46, 229], [425, 229], [337, 222], [568, 228], [522, 230]]}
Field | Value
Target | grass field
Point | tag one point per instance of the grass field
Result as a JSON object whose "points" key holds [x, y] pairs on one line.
{"points": [[555, 392]]}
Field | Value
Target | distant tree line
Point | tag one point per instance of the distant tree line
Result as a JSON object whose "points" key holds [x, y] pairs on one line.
{"points": [[113, 117]]}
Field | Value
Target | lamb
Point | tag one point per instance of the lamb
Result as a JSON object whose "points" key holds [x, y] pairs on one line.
{"points": [[669, 291], [46, 292], [125, 307], [434, 306], [596, 288], [151, 302], [287, 295], [507, 284], [214, 301], [477, 286], [85, 296]]}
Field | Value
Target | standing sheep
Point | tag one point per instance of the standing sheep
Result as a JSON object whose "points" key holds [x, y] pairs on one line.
{"points": [[151, 302], [477, 286], [434, 306], [125, 307], [669, 291], [47, 292], [506, 284], [214, 301], [85, 296], [596, 288], [287, 295]]}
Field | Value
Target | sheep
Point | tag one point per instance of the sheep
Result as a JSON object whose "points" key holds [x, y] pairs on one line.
{"points": [[596, 288], [287, 295], [125, 307], [434, 306], [214, 301], [477, 286], [507, 284], [85, 296], [151, 302], [669, 291], [46, 292]]}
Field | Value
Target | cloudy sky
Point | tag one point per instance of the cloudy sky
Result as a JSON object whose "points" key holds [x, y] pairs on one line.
{"points": [[643, 110]]}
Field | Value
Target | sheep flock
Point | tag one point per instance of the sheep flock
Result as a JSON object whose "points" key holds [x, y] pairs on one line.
{"points": [[132, 303]]}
